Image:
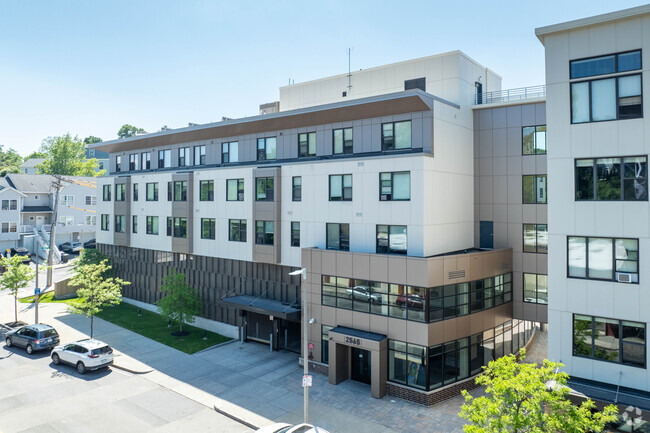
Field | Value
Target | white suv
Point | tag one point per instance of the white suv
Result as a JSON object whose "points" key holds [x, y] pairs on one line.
{"points": [[84, 354]]}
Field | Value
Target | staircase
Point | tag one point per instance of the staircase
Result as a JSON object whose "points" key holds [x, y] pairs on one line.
{"points": [[44, 240]]}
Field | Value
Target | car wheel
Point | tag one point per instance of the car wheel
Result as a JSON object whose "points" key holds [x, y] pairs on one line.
{"points": [[55, 359], [81, 368], [29, 349], [8, 342]]}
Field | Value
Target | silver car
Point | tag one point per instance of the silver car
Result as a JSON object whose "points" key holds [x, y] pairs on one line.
{"points": [[363, 293]]}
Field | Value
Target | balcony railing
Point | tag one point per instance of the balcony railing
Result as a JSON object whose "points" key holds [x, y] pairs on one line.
{"points": [[510, 95]]}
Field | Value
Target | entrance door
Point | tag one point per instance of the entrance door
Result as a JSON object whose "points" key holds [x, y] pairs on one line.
{"points": [[487, 234], [259, 327], [39, 221], [289, 335], [361, 365]]}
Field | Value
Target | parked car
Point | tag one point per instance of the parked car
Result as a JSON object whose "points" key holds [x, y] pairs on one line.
{"points": [[288, 428], [70, 247], [20, 251], [91, 244], [363, 293], [412, 301], [85, 355], [33, 337]]}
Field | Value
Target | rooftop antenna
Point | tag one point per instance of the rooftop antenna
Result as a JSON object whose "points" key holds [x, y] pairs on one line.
{"points": [[349, 71]]}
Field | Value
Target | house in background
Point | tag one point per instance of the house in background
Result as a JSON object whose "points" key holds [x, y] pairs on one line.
{"points": [[29, 166]]}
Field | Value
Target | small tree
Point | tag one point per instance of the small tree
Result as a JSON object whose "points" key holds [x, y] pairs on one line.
{"points": [[525, 398], [91, 256], [180, 302], [95, 290], [16, 276]]}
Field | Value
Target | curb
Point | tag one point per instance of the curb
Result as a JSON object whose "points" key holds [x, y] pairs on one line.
{"points": [[121, 367], [239, 414], [214, 347]]}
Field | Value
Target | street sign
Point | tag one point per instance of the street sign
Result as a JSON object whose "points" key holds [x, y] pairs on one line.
{"points": [[306, 381], [310, 346], [37, 291]]}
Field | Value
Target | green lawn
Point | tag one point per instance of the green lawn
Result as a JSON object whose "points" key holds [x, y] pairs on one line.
{"points": [[48, 297]]}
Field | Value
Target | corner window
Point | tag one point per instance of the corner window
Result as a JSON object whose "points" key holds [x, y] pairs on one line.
{"points": [[183, 156], [180, 190], [146, 160], [396, 135], [533, 140], [206, 190], [395, 186], [306, 144], [152, 225], [152, 191], [534, 189], [134, 224], [341, 187], [391, 239], [609, 259], [134, 162], [235, 190], [207, 228], [120, 224], [264, 232], [180, 227], [118, 163], [199, 155], [164, 158], [135, 192], [536, 288], [230, 152], [120, 192], [610, 340], [612, 179], [295, 234], [237, 230], [264, 189], [105, 222], [106, 190], [536, 238], [342, 141], [338, 236], [266, 148]]}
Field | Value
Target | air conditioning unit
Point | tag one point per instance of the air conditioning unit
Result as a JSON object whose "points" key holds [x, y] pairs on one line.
{"points": [[623, 277]]}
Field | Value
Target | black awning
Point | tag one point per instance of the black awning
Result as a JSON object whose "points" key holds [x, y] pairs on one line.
{"points": [[358, 333], [39, 209], [271, 307]]}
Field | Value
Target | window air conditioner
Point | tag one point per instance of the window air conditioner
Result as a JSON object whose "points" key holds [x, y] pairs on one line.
{"points": [[623, 277]]}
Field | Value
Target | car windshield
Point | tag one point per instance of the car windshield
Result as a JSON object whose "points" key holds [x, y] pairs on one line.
{"points": [[101, 351], [48, 333]]}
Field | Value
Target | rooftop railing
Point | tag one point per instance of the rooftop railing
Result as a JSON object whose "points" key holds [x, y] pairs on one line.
{"points": [[510, 95]]}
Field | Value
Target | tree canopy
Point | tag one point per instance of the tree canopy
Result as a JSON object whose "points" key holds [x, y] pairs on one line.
{"points": [[525, 398], [67, 156], [181, 302], [10, 161], [128, 131], [16, 276], [35, 154], [91, 139]]}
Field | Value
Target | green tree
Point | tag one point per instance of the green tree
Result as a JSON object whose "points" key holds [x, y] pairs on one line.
{"points": [[10, 161], [36, 154], [128, 131], [16, 276], [91, 139], [67, 156], [525, 398], [91, 256], [180, 302], [95, 291]]}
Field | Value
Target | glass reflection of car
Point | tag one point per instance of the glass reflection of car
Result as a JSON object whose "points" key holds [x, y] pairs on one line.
{"points": [[413, 301], [363, 293]]}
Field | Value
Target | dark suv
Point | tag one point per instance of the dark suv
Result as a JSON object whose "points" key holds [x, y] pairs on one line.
{"points": [[33, 337]]}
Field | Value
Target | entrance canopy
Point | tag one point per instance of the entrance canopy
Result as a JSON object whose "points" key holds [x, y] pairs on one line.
{"points": [[271, 307], [357, 333]]}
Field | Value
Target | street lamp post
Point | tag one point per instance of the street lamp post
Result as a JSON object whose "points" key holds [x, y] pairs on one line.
{"points": [[305, 346]]}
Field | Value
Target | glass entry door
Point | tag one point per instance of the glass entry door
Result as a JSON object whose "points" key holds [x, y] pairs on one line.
{"points": [[361, 365]]}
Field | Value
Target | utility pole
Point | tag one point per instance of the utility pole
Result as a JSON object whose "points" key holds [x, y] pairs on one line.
{"points": [[37, 249], [50, 256]]}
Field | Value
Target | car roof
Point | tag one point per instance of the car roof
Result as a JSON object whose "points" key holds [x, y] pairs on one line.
{"points": [[40, 327], [90, 343], [20, 249]]}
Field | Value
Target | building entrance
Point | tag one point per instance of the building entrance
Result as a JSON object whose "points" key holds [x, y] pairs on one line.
{"points": [[360, 365]]}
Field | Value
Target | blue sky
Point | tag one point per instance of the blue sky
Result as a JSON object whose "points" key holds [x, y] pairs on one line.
{"points": [[89, 66]]}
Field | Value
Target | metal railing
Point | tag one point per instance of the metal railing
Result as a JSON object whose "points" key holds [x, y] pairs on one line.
{"points": [[510, 95], [28, 228]]}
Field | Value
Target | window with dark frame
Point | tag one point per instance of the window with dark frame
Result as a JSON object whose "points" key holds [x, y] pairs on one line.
{"points": [[180, 227], [264, 232], [135, 192], [306, 144], [534, 189], [395, 186], [118, 163], [106, 193], [295, 234], [338, 236], [152, 191], [199, 155], [396, 135], [535, 288], [340, 187], [235, 190], [146, 160], [164, 158], [170, 191], [296, 188], [264, 189], [170, 226], [120, 224], [598, 258], [230, 152], [152, 225], [180, 190], [134, 162], [237, 230], [533, 140], [611, 340], [184, 157], [605, 179], [105, 222], [535, 238], [342, 143], [208, 228], [134, 224], [266, 148], [391, 239], [608, 64], [120, 192], [206, 192]]}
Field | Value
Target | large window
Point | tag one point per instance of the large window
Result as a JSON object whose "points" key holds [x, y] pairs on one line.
{"points": [[610, 340], [341, 187], [120, 224], [206, 190], [120, 192], [307, 144], [118, 163], [395, 186], [534, 140], [146, 160], [615, 98], [180, 227], [230, 152], [207, 228], [237, 230], [264, 189], [609, 64], [199, 155], [106, 190], [535, 238], [536, 288], [296, 188], [264, 232], [7, 203], [534, 189], [134, 162], [342, 141], [295, 234], [407, 364], [396, 135], [183, 156], [105, 222], [391, 239], [603, 258], [152, 225], [180, 190], [152, 191], [266, 148], [612, 178], [338, 236], [164, 158], [235, 190]]}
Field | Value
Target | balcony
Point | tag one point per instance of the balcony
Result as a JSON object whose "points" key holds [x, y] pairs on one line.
{"points": [[510, 95]]}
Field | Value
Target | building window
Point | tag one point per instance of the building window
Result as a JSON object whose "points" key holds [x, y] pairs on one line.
{"points": [[134, 162], [266, 148], [118, 163], [120, 224], [135, 192], [603, 259], [395, 186], [13, 227], [264, 189], [183, 156], [164, 158], [206, 190], [91, 220], [296, 188], [170, 226], [180, 190], [324, 348], [534, 140], [536, 288], [407, 364], [152, 225], [235, 190], [207, 228], [134, 225], [106, 196], [120, 192], [152, 191], [295, 234], [306, 144], [536, 238], [338, 236], [615, 98], [237, 230], [105, 222], [68, 200], [199, 155], [230, 152], [66, 220], [180, 227], [609, 64], [91, 200], [170, 191], [612, 340], [612, 179], [264, 232], [396, 135], [13, 204], [146, 160], [5, 227], [341, 187], [391, 239], [342, 141], [534, 189]]}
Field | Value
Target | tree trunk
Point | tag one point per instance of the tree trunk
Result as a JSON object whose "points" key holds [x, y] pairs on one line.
{"points": [[181, 323], [91, 326], [16, 307]]}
